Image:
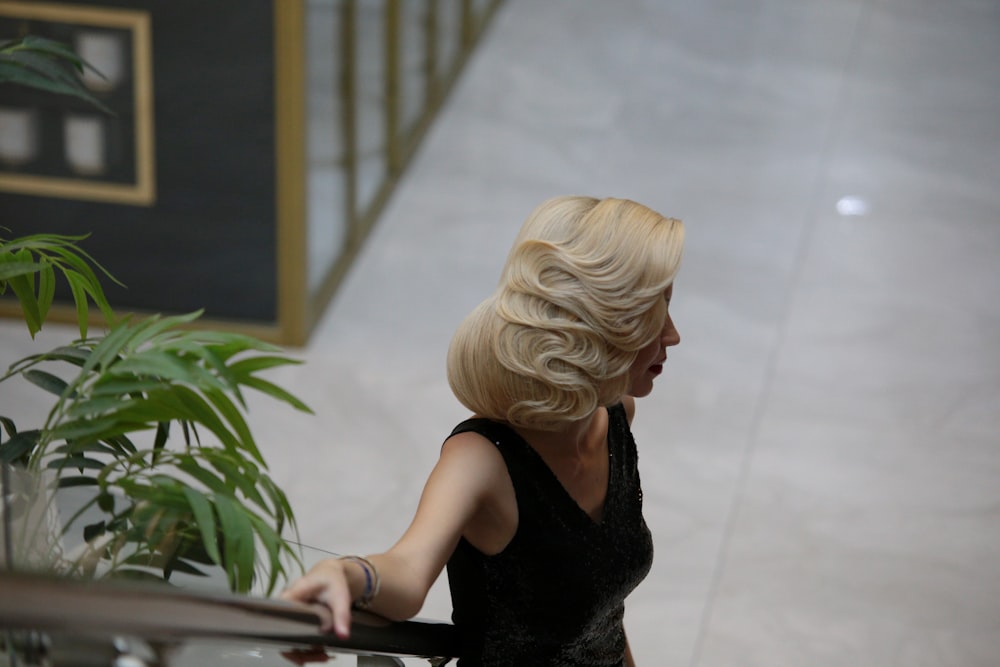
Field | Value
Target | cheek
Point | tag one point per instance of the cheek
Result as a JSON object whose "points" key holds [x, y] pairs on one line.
{"points": [[649, 353], [643, 361]]}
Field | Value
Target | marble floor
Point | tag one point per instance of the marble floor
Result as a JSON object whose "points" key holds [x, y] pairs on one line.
{"points": [[821, 458]]}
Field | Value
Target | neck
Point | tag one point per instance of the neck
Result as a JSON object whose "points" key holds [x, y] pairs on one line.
{"points": [[575, 440]]}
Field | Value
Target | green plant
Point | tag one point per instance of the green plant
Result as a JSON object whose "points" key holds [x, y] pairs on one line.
{"points": [[44, 64], [149, 416]]}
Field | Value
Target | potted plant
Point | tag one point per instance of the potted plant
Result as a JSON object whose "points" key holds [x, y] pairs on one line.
{"points": [[149, 416]]}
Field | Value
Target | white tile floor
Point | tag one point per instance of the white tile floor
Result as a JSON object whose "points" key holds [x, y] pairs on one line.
{"points": [[822, 457]]}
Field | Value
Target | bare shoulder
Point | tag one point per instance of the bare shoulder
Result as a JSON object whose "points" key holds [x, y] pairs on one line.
{"points": [[629, 403], [466, 477], [464, 482], [471, 454], [480, 469]]}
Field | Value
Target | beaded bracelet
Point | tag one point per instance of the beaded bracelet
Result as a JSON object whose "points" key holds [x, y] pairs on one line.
{"points": [[373, 582]]}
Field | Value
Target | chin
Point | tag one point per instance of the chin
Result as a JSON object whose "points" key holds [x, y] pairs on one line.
{"points": [[640, 392]]}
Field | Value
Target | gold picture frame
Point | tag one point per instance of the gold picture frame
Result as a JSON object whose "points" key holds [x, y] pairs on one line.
{"points": [[142, 190]]}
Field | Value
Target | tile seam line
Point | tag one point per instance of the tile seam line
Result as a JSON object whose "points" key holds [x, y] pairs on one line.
{"points": [[832, 136]]}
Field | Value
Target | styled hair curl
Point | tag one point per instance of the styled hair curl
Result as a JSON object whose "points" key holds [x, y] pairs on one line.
{"points": [[580, 294]]}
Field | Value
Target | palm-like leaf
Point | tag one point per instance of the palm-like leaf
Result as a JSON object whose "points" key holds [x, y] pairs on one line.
{"points": [[44, 64], [28, 267], [49, 66]]}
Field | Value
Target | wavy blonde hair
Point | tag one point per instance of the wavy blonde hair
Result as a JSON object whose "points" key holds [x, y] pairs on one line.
{"points": [[581, 293]]}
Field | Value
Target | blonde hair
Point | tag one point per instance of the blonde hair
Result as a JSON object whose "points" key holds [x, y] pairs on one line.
{"points": [[581, 293]]}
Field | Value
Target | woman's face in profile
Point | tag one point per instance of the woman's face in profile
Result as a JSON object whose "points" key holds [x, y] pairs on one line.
{"points": [[649, 362]]}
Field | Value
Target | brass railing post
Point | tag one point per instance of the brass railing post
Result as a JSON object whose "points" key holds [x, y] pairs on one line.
{"points": [[395, 150]]}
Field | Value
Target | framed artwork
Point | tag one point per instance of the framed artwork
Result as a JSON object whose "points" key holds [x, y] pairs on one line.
{"points": [[64, 148]]}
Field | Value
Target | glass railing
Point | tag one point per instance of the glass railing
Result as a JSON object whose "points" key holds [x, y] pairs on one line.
{"points": [[377, 73], [50, 618], [59, 622]]}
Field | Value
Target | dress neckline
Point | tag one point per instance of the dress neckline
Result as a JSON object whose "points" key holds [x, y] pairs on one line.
{"points": [[560, 490]]}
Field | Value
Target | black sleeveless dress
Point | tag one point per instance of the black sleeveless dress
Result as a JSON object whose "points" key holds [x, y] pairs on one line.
{"points": [[554, 597]]}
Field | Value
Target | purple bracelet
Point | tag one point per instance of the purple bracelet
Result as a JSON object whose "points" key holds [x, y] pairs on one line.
{"points": [[372, 580]]}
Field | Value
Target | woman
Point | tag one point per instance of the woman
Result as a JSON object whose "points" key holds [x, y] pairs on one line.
{"points": [[535, 505]]}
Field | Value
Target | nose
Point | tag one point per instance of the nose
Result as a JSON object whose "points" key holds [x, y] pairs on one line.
{"points": [[670, 336]]}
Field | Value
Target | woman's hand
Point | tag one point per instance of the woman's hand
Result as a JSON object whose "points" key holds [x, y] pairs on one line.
{"points": [[328, 585]]}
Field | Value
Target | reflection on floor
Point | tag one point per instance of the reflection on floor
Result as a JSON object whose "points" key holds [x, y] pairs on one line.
{"points": [[820, 458]]}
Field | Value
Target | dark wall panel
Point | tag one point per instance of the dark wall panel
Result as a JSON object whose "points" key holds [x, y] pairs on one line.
{"points": [[209, 238]]}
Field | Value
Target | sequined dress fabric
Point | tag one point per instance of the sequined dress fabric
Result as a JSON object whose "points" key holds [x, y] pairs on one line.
{"points": [[554, 597]]}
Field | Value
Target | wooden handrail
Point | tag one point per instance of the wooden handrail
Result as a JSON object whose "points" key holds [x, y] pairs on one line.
{"points": [[163, 613]]}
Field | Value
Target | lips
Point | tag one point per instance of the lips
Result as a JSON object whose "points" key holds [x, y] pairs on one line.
{"points": [[656, 369]]}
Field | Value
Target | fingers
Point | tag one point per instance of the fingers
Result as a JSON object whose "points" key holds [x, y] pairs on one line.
{"points": [[326, 587], [339, 600], [303, 589], [325, 616]]}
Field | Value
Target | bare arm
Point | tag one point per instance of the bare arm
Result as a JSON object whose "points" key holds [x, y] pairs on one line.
{"points": [[464, 478]]}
